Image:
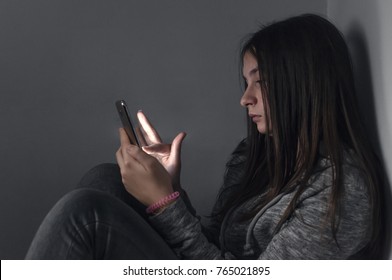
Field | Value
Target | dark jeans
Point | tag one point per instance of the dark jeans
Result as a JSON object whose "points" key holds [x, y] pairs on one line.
{"points": [[98, 220]]}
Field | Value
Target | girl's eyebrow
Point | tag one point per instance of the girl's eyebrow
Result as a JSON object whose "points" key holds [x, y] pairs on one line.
{"points": [[252, 72]]}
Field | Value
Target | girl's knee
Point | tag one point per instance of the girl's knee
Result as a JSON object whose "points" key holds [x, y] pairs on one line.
{"points": [[80, 201], [101, 176]]}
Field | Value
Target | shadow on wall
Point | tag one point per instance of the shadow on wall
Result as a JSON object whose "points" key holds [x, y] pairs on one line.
{"points": [[366, 99]]}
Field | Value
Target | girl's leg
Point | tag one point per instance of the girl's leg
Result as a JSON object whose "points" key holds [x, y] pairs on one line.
{"points": [[106, 177], [91, 224]]}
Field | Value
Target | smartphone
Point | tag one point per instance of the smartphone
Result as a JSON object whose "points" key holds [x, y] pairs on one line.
{"points": [[127, 122]]}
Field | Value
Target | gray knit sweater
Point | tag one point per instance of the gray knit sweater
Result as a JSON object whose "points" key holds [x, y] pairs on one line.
{"points": [[303, 236]]}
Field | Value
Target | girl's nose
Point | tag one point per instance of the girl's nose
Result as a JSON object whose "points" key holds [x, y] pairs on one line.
{"points": [[247, 99]]}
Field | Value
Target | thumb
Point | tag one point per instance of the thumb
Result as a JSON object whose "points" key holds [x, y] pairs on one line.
{"points": [[176, 147]]}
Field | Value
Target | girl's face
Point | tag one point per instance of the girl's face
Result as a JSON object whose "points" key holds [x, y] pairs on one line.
{"points": [[252, 98]]}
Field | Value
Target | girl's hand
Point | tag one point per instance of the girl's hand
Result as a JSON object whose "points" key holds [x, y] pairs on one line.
{"points": [[169, 155], [143, 176]]}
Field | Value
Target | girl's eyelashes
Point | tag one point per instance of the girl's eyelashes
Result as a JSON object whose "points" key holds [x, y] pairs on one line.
{"points": [[257, 82], [262, 83]]}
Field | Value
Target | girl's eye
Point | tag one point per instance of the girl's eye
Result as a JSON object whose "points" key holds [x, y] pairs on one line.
{"points": [[261, 83]]}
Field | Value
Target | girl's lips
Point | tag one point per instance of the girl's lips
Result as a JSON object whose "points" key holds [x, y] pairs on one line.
{"points": [[255, 118]]}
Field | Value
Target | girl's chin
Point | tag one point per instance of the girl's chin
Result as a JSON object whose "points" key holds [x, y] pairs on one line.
{"points": [[262, 128]]}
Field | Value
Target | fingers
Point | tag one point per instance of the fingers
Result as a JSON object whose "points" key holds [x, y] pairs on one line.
{"points": [[162, 149], [124, 140], [135, 154], [132, 158], [141, 136], [127, 147], [120, 155], [126, 155], [176, 146], [120, 159], [149, 131]]}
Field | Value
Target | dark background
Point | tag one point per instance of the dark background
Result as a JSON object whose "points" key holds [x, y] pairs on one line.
{"points": [[63, 64]]}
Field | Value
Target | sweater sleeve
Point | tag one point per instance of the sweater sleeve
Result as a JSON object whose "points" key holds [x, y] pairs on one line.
{"points": [[183, 232]]}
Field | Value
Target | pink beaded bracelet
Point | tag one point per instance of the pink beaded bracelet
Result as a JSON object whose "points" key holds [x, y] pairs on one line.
{"points": [[162, 202]]}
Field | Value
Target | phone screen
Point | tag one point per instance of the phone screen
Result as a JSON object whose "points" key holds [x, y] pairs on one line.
{"points": [[127, 122]]}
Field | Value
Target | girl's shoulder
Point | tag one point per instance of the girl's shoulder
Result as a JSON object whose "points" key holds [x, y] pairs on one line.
{"points": [[353, 178]]}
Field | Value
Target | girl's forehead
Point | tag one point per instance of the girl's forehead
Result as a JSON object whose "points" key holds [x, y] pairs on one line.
{"points": [[250, 65]]}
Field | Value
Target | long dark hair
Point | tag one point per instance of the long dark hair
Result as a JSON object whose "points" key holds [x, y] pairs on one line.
{"points": [[309, 96]]}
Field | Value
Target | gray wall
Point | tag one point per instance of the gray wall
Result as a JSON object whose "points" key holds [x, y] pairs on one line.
{"points": [[367, 27], [64, 63]]}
